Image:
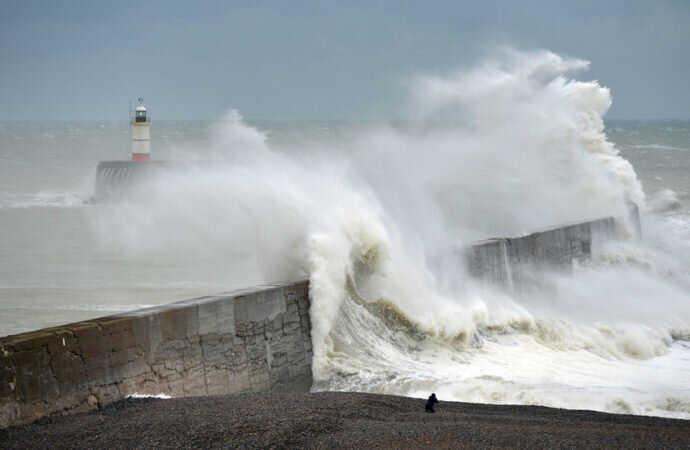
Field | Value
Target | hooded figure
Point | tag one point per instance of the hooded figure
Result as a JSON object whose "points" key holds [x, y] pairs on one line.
{"points": [[430, 403]]}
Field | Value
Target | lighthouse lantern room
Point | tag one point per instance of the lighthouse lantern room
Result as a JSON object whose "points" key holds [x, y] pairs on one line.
{"points": [[141, 146]]}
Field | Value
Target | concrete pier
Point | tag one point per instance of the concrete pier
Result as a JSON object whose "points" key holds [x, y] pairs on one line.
{"points": [[116, 180], [247, 340], [516, 263], [251, 339]]}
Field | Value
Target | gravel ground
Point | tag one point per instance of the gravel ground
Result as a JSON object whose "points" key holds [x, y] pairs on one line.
{"points": [[340, 420]]}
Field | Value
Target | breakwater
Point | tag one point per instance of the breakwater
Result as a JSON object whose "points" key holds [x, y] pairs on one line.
{"points": [[119, 179], [246, 340], [251, 339], [518, 263]]}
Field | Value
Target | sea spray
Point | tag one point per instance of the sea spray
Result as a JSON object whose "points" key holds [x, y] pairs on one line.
{"points": [[511, 145]]}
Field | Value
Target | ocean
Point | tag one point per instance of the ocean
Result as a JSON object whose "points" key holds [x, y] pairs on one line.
{"points": [[361, 207]]}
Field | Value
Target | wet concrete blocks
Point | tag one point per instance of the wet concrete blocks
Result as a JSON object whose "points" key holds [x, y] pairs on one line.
{"points": [[250, 339]]}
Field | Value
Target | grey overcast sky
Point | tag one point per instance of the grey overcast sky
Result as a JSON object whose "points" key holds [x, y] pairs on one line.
{"points": [[84, 59]]}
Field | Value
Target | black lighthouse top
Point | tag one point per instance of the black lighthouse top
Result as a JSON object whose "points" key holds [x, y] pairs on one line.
{"points": [[140, 112]]}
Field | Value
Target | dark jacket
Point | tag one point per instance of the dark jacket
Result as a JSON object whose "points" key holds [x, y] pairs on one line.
{"points": [[430, 403]]}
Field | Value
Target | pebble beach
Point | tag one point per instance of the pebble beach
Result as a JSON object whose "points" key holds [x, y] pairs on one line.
{"points": [[340, 420]]}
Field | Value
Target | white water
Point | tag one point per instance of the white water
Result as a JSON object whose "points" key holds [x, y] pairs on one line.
{"points": [[510, 145]]}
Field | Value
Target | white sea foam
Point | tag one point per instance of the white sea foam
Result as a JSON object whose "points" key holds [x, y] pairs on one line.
{"points": [[658, 147], [511, 145], [161, 396], [664, 201], [48, 199]]}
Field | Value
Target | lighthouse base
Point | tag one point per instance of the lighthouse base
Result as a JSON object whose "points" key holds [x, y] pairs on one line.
{"points": [[119, 180], [141, 156]]}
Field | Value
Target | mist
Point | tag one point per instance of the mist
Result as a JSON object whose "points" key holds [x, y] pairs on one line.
{"points": [[511, 145]]}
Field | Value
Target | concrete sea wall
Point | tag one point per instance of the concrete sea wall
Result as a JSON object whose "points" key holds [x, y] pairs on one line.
{"points": [[246, 340], [517, 263], [116, 180]]}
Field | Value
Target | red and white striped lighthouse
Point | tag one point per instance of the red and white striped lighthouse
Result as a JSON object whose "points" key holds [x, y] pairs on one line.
{"points": [[141, 145]]}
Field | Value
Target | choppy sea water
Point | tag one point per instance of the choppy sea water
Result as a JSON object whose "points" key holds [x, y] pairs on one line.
{"points": [[370, 202]]}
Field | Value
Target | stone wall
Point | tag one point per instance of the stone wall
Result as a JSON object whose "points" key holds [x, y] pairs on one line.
{"points": [[517, 263], [116, 180], [246, 340]]}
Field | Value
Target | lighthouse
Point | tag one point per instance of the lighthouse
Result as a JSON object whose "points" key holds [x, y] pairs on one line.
{"points": [[141, 145]]}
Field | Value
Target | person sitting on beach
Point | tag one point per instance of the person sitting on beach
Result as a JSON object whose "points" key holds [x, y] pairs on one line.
{"points": [[430, 403]]}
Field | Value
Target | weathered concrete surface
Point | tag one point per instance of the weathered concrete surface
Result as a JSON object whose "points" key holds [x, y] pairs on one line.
{"points": [[118, 179], [247, 340], [517, 263]]}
